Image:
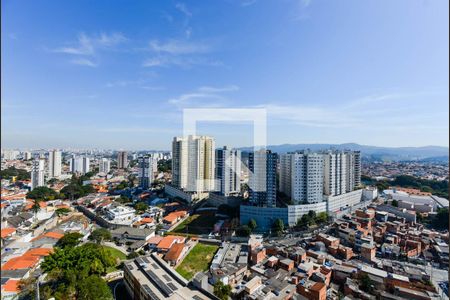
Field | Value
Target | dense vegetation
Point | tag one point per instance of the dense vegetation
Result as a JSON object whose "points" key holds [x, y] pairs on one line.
{"points": [[439, 188], [12, 171], [440, 221], [75, 189], [165, 165], [42, 193], [75, 272], [311, 218], [221, 290]]}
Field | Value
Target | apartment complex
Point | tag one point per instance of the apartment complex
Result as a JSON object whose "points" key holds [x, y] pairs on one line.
{"points": [[262, 181], [104, 165], [79, 164], [193, 163], [37, 173], [122, 159], [228, 171], [54, 163], [342, 172], [301, 177], [147, 167]]}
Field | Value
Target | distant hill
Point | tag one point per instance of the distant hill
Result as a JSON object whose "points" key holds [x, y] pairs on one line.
{"points": [[372, 153]]}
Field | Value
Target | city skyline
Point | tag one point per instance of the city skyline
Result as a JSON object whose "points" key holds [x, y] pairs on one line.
{"points": [[373, 74]]}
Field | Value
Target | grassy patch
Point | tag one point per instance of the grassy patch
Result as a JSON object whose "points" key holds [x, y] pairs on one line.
{"points": [[197, 260], [197, 224], [117, 254]]}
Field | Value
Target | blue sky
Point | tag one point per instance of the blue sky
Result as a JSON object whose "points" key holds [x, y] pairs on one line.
{"points": [[118, 74]]}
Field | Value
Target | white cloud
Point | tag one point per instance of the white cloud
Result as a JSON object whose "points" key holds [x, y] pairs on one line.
{"points": [[182, 8], [84, 62], [210, 89], [202, 93], [89, 45], [178, 47], [184, 62]]}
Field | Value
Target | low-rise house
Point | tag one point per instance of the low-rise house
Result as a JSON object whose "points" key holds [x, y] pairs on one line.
{"points": [[175, 253]]}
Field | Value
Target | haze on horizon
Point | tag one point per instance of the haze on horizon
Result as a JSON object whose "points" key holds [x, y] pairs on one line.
{"points": [[366, 72]]}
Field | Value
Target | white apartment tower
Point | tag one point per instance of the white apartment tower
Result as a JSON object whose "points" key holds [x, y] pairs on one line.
{"points": [[228, 171], [37, 173], [342, 172], [80, 165], [122, 159], [54, 163], [104, 165], [147, 167], [301, 177], [193, 163]]}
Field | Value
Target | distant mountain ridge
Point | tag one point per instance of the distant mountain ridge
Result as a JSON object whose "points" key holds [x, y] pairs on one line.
{"points": [[373, 153]]}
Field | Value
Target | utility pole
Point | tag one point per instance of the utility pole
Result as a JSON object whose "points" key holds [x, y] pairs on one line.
{"points": [[37, 289]]}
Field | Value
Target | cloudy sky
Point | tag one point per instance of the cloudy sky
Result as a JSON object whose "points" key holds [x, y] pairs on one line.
{"points": [[118, 74]]}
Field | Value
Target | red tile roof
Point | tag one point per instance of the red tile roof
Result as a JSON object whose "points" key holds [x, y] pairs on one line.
{"points": [[7, 231], [168, 241], [174, 253], [38, 252], [21, 262], [12, 286]]}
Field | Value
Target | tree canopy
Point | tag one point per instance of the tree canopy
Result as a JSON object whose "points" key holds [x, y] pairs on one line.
{"points": [[278, 226], [99, 235], [12, 171], [71, 239], [42, 193], [221, 290], [74, 272]]}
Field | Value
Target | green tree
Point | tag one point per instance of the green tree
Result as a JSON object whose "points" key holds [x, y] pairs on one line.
{"points": [[99, 235], [132, 255], [278, 226], [252, 224], [221, 290], [62, 211], [243, 231], [42, 193], [394, 203], [440, 221], [71, 239], [141, 207], [93, 287], [70, 270], [321, 217], [8, 173], [366, 283], [123, 199]]}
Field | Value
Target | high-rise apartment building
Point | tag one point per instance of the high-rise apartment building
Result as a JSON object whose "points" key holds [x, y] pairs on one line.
{"points": [[122, 159], [228, 171], [262, 165], [193, 163], [104, 165], [342, 172], [54, 163], [301, 177], [37, 173], [80, 164], [147, 167], [26, 155]]}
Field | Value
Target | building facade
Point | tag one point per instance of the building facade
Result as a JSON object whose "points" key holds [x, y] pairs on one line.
{"points": [[104, 165], [37, 173], [79, 164], [228, 171], [147, 167], [262, 165], [301, 177], [54, 163], [193, 163], [122, 159]]}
